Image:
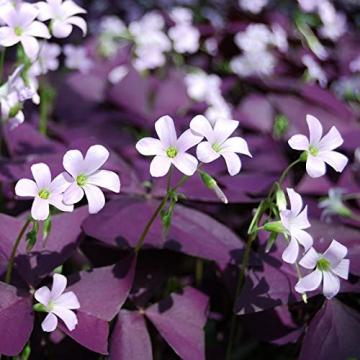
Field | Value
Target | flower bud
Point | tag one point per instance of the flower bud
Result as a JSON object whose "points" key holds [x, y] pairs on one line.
{"points": [[211, 183], [275, 227], [280, 199]]}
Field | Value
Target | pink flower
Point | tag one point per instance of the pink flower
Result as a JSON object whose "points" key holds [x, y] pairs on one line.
{"points": [[44, 191], [58, 304], [87, 178]]}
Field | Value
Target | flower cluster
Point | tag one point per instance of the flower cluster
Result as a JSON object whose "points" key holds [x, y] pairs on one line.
{"points": [[83, 177], [253, 6]]}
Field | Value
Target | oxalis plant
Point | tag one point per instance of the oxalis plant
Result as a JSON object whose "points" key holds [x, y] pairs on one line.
{"points": [[106, 305]]}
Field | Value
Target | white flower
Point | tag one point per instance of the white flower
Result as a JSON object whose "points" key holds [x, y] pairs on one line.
{"points": [[58, 304], [169, 149], [279, 37], [314, 70], [254, 39], [333, 205], [219, 142], [253, 6], [112, 26], [319, 149], [44, 191], [328, 268], [21, 27], [181, 15], [117, 74], [77, 58], [334, 23], [310, 5], [185, 37], [63, 16], [87, 178], [294, 221], [47, 59]]}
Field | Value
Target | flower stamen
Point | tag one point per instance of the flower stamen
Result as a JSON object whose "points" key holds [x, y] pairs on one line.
{"points": [[81, 179], [44, 194], [171, 152], [323, 264]]}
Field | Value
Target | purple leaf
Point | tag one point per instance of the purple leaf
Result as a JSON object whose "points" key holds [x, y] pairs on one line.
{"points": [[180, 319], [130, 338], [333, 333], [16, 320]]}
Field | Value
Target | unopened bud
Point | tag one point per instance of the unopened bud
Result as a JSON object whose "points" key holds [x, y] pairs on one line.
{"points": [[280, 199], [211, 183], [275, 227]]}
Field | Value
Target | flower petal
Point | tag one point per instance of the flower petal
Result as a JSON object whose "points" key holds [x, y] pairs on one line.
{"points": [[95, 158], [335, 253], [44, 11], [237, 145], [105, 179], [43, 295], [73, 162], [301, 221], [61, 183], [38, 29], [67, 316], [336, 160], [342, 269], [309, 282], [160, 166], [149, 146], [58, 286], [70, 8], [315, 129], [166, 132], [68, 300], [296, 202], [200, 125], [331, 140], [73, 194], [205, 153], [61, 29], [8, 37], [304, 238], [26, 187], [42, 175], [50, 323], [331, 284], [185, 163], [79, 22], [291, 252], [310, 259], [187, 140], [40, 209], [299, 142], [31, 47], [233, 162], [315, 166], [95, 198], [223, 129], [57, 200]]}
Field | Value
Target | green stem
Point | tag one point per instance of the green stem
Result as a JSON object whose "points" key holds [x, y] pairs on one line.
{"points": [[2, 63], [286, 171], [14, 250], [199, 270]]}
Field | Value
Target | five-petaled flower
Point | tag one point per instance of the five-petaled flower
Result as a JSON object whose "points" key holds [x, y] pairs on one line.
{"points": [[57, 304], [169, 149], [219, 142], [86, 177], [319, 149], [63, 16], [294, 221], [44, 191], [21, 27], [328, 268]]}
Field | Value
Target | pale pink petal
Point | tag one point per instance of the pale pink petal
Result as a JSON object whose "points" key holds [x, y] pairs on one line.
{"points": [[68, 300], [73, 194], [149, 146], [58, 286], [291, 252], [67, 316], [205, 153], [31, 47], [61, 29], [8, 16], [61, 183], [160, 166], [73, 163], [331, 284], [335, 253], [331, 140], [105, 179], [236, 145], [336, 160], [26, 14], [95, 198], [309, 282], [187, 140], [57, 200], [233, 163], [315, 129], [315, 166], [223, 129], [342, 269], [200, 125], [50, 323], [38, 29], [42, 175], [26, 187], [185, 163], [310, 259], [296, 202], [166, 132], [301, 221], [299, 142], [44, 11], [43, 295], [79, 22], [40, 209], [70, 8], [95, 158], [8, 37], [304, 238]]}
